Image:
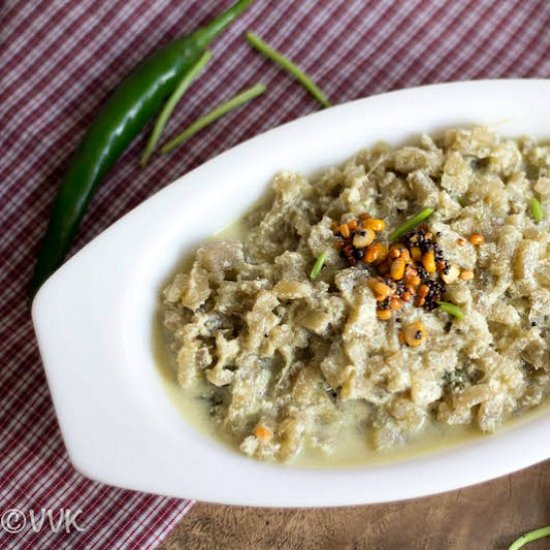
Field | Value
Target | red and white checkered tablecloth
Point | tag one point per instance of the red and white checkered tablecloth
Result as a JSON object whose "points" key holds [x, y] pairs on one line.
{"points": [[59, 59]]}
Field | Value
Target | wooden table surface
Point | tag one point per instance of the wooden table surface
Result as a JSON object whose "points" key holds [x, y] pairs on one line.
{"points": [[487, 516]]}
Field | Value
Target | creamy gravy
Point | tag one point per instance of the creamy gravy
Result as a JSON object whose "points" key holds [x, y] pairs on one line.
{"points": [[318, 371], [353, 448]]}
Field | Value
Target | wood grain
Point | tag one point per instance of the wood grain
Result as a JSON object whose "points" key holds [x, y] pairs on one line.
{"points": [[487, 516]]}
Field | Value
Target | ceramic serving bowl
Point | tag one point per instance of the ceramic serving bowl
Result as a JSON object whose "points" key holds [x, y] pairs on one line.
{"points": [[94, 317]]}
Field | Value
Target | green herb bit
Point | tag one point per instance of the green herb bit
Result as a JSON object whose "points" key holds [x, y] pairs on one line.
{"points": [[462, 201], [409, 224], [170, 106], [264, 48], [451, 309], [530, 537], [319, 263], [213, 115], [536, 210]]}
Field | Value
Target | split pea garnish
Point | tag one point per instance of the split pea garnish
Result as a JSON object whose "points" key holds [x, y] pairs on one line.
{"points": [[412, 269], [467, 275], [477, 239], [263, 433], [414, 334]]}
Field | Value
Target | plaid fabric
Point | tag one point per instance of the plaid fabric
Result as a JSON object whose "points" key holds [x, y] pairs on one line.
{"points": [[59, 59]]}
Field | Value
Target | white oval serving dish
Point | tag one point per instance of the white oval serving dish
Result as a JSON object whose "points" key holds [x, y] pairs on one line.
{"points": [[94, 316]]}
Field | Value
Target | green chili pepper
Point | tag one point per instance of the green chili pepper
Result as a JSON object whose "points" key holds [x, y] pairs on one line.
{"points": [[133, 103]]}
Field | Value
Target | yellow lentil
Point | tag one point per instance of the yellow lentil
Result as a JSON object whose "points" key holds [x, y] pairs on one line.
{"points": [[397, 269], [416, 253], [381, 289], [361, 240], [344, 231], [477, 239], [383, 314], [374, 223], [263, 433], [428, 261], [414, 334], [467, 275]]}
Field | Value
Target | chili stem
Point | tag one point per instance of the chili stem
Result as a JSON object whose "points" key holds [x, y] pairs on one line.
{"points": [[265, 49], [319, 263], [213, 115], [409, 224], [452, 309], [170, 106], [530, 537], [536, 210]]}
